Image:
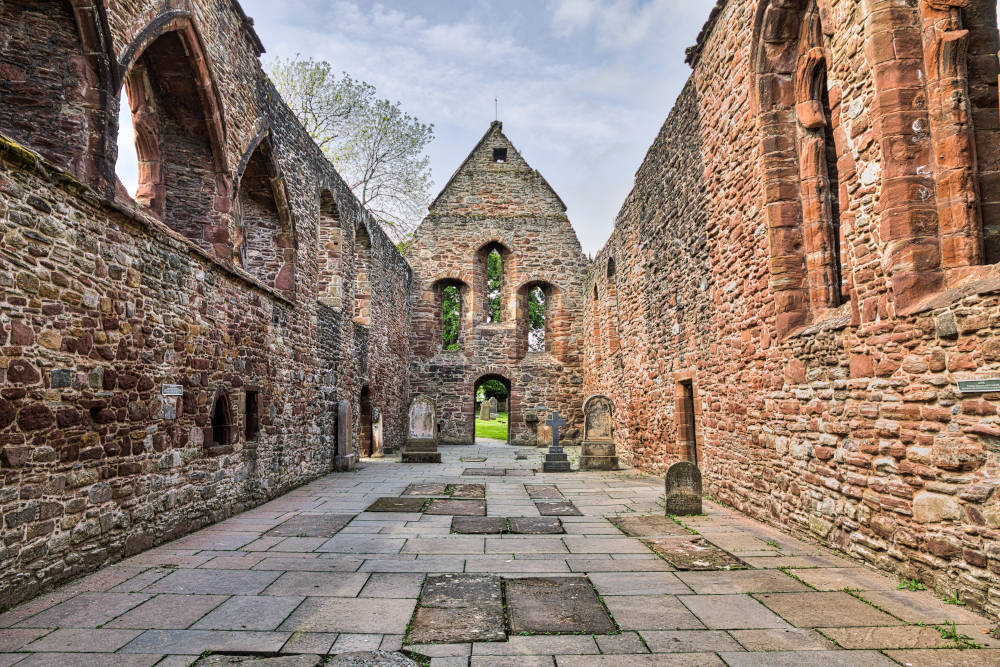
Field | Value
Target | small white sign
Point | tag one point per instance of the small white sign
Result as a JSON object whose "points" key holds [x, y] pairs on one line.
{"points": [[171, 390], [979, 386]]}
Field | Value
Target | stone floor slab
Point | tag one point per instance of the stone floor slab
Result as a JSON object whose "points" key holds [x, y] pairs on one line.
{"points": [[939, 657], [824, 609], [194, 642], [903, 636], [168, 612], [398, 505], [249, 612], [483, 472], [688, 641], [426, 490], [87, 610], [557, 508], [73, 640], [87, 660], [693, 553], [782, 639], [217, 582], [637, 583], [362, 544], [646, 660], [311, 525], [651, 612], [474, 491], [459, 608], [920, 607], [356, 615], [543, 492], [648, 526], [457, 507], [731, 612], [532, 525], [808, 659], [839, 578], [332, 584], [539, 645], [741, 581], [12, 639], [625, 642], [478, 525], [555, 604], [392, 585]]}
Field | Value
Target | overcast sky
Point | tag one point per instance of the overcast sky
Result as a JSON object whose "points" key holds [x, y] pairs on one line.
{"points": [[584, 85]]}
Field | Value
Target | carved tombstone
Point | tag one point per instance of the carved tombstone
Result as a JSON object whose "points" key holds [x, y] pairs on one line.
{"points": [[378, 446], [683, 489], [346, 457], [597, 451], [493, 407], [421, 436], [484, 411]]}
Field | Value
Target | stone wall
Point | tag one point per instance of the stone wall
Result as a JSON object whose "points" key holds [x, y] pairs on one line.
{"points": [[840, 420], [103, 300], [508, 206]]}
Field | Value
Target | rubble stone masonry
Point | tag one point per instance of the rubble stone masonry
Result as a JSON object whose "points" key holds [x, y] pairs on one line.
{"points": [[104, 300], [826, 407]]}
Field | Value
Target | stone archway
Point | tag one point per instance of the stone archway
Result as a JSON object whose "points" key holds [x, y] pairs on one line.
{"points": [[365, 432], [475, 389]]}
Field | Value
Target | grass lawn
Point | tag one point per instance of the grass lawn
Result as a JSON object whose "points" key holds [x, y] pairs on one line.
{"points": [[495, 428]]}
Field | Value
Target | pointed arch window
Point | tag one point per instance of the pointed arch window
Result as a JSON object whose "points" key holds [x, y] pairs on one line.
{"points": [[179, 137], [362, 276], [536, 320], [612, 307], [330, 290], [451, 317], [491, 268], [265, 245]]}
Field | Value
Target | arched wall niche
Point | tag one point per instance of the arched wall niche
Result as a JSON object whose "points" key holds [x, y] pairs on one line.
{"points": [[184, 177]]}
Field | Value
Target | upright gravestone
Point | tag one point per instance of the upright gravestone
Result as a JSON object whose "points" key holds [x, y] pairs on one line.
{"points": [[421, 437], [493, 407], [597, 451], [346, 457], [484, 411], [683, 489], [556, 459], [378, 446]]}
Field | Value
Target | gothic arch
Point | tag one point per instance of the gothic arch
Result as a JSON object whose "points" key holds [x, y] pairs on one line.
{"points": [[180, 131], [330, 245]]}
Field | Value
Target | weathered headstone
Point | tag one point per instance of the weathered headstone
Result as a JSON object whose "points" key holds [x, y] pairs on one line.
{"points": [[493, 407], [346, 457], [597, 451], [378, 443], [421, 437], [556, 459], [484, 411], [683, 489]]}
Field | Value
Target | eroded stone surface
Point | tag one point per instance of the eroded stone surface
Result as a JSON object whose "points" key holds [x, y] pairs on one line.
{"points": [[557, 508], [458, 608], [397, 505], [478, 525], [555, 604], [484, 472], [467, 490], [426, 490], [694, 553], [311, 525], [648, 526], [527, 525], [457, 507], [543, 491]]}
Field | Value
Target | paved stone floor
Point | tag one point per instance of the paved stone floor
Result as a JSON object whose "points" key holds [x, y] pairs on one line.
{"points": [[313, 572]]}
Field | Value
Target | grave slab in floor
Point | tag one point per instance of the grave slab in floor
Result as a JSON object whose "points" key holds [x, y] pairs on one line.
{"points": [[555, 604], [457, 608], [397, 505], [694, 553]]}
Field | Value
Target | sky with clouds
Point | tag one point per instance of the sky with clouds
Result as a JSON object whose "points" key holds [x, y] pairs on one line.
{"points": [[584, 85]]}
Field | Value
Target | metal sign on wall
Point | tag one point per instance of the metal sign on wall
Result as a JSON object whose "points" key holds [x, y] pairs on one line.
{"points": [[979, 386], [171, 390]]}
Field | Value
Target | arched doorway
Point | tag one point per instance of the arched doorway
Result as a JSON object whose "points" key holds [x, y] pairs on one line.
{"points": [[488, 426], [365, 436]]}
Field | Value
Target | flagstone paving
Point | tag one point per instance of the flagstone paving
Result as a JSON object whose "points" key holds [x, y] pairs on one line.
{"points": [[343, 565]]}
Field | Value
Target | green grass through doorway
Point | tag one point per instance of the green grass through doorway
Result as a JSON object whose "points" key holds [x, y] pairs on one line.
{"points": [[494, 428]]}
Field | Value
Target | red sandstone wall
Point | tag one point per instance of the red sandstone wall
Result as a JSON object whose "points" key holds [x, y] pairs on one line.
{"points": [[849, 426], [101, 303]]}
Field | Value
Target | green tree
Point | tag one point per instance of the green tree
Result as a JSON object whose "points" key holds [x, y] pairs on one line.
{"points": [[494, 283], [451, 311], [536, 319], [376, 147], [492, 389]]}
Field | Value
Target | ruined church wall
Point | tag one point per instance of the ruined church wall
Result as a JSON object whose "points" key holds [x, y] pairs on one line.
{"points": [[101, 304], [848, 427], [509, 204]]}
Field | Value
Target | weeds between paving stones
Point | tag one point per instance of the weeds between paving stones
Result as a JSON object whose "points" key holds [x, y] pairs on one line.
{"points": [[682, 524], [952, 599], [949, 632], [772, 543], [418, 658], [910, 585], [787, 570]]}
